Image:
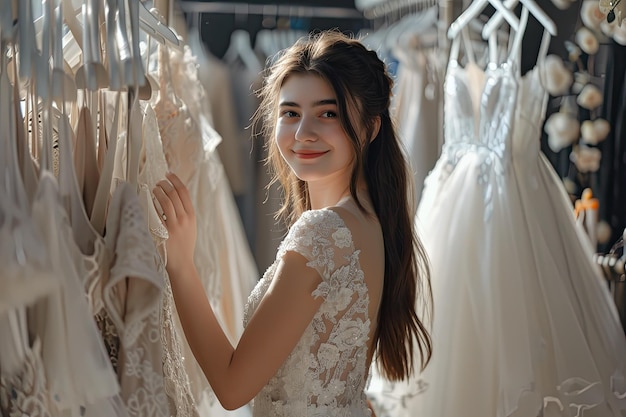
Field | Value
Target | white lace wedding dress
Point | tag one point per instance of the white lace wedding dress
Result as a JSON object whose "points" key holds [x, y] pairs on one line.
{"points": [[325, 374], [523, 323]]}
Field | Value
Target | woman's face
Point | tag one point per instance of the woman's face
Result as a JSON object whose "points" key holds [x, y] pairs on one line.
{"points": [[309, 133]]}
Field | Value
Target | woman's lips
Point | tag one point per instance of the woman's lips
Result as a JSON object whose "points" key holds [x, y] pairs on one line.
{"points": [[309, 154]]}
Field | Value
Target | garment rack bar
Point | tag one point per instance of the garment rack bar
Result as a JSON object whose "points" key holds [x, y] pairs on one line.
{"points": [[270, 9]]}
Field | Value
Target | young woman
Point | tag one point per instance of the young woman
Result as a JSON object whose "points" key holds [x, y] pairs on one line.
{"points": [[350, 272]]}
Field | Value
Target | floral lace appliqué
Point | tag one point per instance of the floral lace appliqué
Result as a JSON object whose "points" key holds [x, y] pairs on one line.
{"points": [[326, 373]]}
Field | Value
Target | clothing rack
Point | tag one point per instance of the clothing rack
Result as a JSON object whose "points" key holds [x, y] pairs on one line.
{"points": [[270, 9]]}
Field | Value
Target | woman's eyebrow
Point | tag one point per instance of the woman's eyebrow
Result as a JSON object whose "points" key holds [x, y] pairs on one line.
{"points": [[317, 103]]}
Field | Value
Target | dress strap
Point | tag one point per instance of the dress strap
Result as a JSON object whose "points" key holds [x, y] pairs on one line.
{"points": [[543, 49], [493, 48]]}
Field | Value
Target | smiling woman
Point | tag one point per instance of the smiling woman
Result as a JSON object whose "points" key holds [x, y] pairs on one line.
{"points": [[344, 285]]}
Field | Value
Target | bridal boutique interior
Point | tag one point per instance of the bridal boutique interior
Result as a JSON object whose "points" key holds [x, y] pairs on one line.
{"points": [[511, 113]]}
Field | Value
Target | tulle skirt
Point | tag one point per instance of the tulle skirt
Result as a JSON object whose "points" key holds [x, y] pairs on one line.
{"points": [[523, 323]]}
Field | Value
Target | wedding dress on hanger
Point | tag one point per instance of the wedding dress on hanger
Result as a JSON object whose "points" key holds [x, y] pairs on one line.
{"points": [[523, 323], [222, 255]]}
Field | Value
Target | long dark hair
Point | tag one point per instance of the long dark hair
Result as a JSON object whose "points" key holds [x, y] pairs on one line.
{"points": [[361, 82]]}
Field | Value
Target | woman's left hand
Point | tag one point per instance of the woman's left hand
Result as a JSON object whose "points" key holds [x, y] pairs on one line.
{"points": [[179, 219]]}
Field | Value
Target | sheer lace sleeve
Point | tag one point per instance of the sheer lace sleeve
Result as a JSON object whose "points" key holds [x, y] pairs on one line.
{"points": [[322, 237]]}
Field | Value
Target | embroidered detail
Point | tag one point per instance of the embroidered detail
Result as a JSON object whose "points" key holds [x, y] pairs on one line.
{"points": [[326, 373]]}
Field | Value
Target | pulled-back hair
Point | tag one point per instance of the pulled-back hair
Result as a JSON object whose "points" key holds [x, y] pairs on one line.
{"points": [[361, 82]]}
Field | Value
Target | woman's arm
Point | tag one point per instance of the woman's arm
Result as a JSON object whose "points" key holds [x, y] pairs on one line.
{"points": [[235, 374]]}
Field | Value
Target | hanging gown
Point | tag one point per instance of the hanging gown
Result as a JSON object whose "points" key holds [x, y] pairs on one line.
{"points": [[222, 255], [523, 323]]}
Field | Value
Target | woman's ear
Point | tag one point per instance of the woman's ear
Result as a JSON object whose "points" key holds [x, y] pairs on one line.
{"points": [[376, 128]]}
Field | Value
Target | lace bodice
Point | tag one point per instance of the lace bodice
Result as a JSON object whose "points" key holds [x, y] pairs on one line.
{"points": [[492, 127], [326, 373]]}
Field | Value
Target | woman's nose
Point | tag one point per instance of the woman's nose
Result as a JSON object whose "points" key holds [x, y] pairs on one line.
{"points": [[306, 130]]}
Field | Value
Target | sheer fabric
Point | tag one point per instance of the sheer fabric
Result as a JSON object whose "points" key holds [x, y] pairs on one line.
{"points": [[326, 373]]}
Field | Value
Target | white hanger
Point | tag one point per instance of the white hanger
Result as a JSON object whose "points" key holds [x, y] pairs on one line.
{"points": [[91, 75], [154, 25], [474, 9], [266, 43], [7, 14], [138, 70], [532, 7], [416, 25], [241, 48], [28, 46], [72, 9], [63, 87]]}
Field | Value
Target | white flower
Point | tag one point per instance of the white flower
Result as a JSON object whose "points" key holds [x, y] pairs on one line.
{"points": [[337, 300], [594, 132], [562, 4], [342, 237], [586, 159], [590, 97], [573, 51], [330, 393], [619, 34], [603, 232], [591, 15], [570, 186], [351, 333], [558, 78], [587, 41], [608, 28], [328, 355], [581, 79], [562, 130]]}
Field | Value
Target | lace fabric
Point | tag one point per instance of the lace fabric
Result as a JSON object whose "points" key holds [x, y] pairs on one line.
{"points": [[326, 373], [25, 393], [133, 297]]}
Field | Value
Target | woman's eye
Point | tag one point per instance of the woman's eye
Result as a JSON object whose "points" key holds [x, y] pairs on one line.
{"points": [[289, 113], [329, 114]]}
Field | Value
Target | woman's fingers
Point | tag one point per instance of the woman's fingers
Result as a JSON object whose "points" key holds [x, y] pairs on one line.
{"points": [[172, 194], [173, 197], [166, 206], [182, 192]]}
